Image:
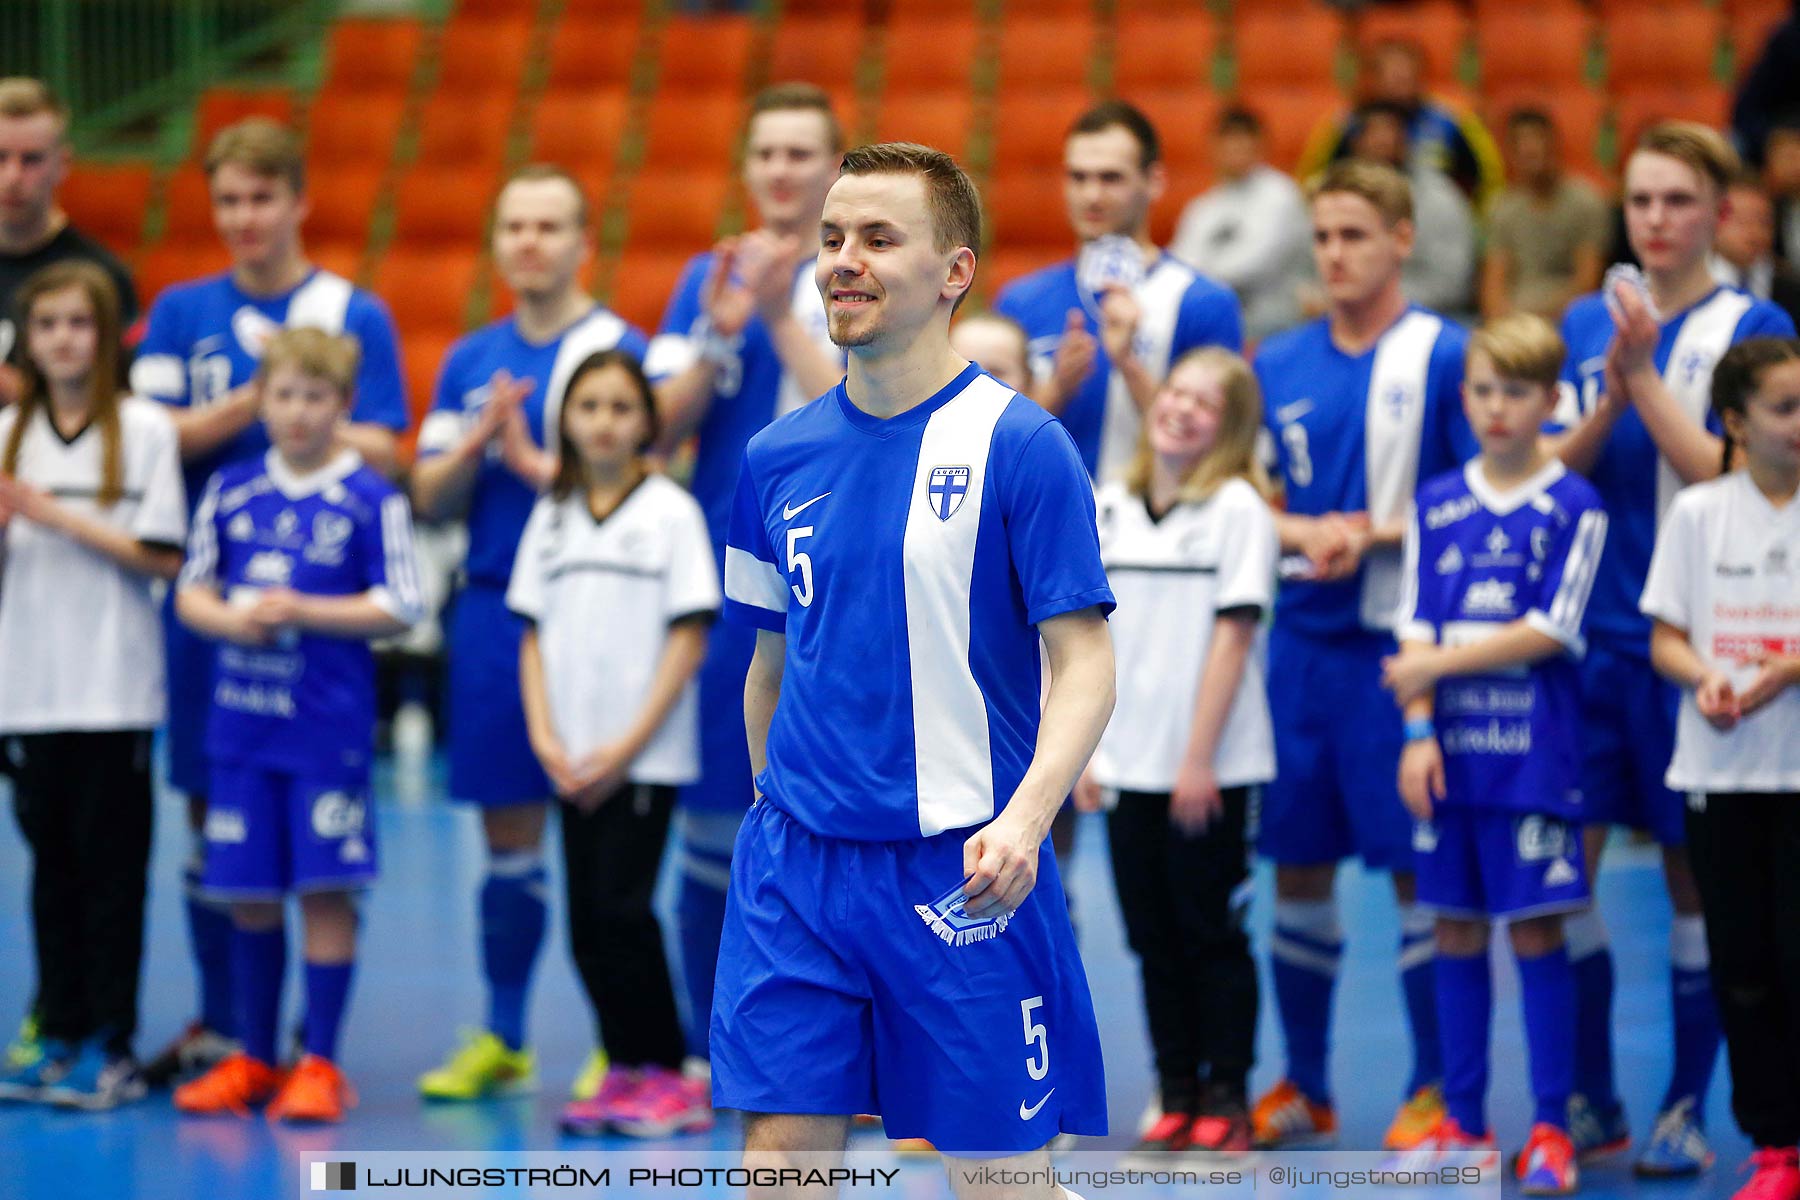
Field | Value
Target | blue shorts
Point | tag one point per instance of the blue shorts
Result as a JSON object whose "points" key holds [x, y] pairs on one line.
{"points": [[849, 982], [269, 832], [1337, 755], [724, 783], [190, 662], [491, 763], [1488, 862], [1628, 737]]}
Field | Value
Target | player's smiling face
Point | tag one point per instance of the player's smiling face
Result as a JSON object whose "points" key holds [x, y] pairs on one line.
{"points": [[605, 420], [302, 412], [1357, 252], [1505, 412], [1106, 186], [258, 216], [1185, 415], [879, 269], [62, 336], [1671, 212], [539, 244], [789, 165]]}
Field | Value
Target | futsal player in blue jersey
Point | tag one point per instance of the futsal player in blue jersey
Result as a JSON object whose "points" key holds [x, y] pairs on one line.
{"points": [[1104, 352], [1500, 561], [896, 939], [199, 355], [742, 342], [1362, 404], [1635, 404], [297, 558], [482, 454]]}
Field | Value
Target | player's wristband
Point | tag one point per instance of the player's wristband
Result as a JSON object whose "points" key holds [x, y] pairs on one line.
{"points": [[1419, 729]]}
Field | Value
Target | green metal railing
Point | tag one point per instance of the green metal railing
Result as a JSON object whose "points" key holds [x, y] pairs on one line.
{"points": [[118, 61]]}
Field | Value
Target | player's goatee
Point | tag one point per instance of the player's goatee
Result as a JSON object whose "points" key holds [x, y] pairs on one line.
{"points": [[843, 336]]}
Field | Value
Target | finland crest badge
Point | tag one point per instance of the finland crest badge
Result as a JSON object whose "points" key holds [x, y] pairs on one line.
{"points": [[952, 923], [946, 490]]}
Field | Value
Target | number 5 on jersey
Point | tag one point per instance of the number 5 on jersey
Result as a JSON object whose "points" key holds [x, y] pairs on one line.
{"points": [[798, 560]]}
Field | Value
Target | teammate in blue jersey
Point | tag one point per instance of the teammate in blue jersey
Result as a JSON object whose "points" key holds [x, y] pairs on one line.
{"points": [[295, 561], [1362, 405], [482, 454], [1145, 309], [1635, 403], [199, 356], [1500, 560], [742, 342], [895, 939]]}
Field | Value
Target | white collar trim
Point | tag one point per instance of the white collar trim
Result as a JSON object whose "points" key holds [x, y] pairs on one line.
{"points": [[295, 486], [1497, 501]]}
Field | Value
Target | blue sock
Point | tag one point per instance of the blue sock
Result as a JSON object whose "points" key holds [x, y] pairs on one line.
{"points": [[1590, 960], [513, 915], [327, 992], [209, 935], [700, 916], [259, 965], [1305, 955], [1417, 949], [1696, 1015], [1547, 993], [1465, 1004]]}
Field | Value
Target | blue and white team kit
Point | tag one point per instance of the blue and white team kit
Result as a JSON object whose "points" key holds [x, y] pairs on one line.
{"points": [[491, 762], [920, 551], [203, 339], [1350, 433], [291, 726], [1179, 310], [1630, 710], [1505, 839]]}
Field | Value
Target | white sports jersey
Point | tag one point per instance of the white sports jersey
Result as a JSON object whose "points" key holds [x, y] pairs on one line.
{"points": [[81, 645], [1171, 577], [1727, 569], [603, 594]]}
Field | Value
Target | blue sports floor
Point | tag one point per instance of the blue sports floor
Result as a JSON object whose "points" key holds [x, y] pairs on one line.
{"points": [[417, 984]]}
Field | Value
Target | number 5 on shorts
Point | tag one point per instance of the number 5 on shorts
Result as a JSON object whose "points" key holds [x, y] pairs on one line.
{"points": [[1037, 1065]]}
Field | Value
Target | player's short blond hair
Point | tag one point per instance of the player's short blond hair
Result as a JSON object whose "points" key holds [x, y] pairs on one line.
{"points": [[1699, 146], [262, 146], [1379, 184], [22, 96], [799, 97], [1521, 346], [539, 172], [331, 357]]}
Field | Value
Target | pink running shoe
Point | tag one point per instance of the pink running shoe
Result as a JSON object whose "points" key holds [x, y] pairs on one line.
{"points": [[665, 1103], [593, 1116]]}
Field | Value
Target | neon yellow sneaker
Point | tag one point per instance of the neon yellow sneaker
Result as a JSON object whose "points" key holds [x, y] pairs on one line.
{"points": [[587, 1084], [481, 1067], [1417, 1119], [27, 1049]]}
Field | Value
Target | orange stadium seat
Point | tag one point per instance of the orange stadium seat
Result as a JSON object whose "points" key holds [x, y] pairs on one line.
{"points": [[428, 287], [1289, 116], [373, 54], [343, 205], [1026, 206], [176, 261], [1286, 49], [421, 358], [940, 120], [646, 276], [442, 206], [1750, 23], [706, 54], [220, 107], [1579, 113], [1031, 125], [614, 10], [1529, 46], [1440, 28], [1185, 121], [484, 54], [1007, 262], [1487, 9], [690, 131], [187, 207], [1636, 110], [579, 130], [1665, 47], [821, 48], [587, 53], [108, 202], [1047, 51], [676, 207], [1158, 49], [930, 53], [340, 258], [354, 127], [453, 132]]}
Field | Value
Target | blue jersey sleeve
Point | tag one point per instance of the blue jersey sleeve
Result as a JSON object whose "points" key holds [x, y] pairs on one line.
{"points": [[201, 566], [756, 591], [684, 305], [1765, 320], [1048, 507], [1210, 316], [159, 371], [1568, 577], [1452, 441], [443, 425], [380, 386], [391, 568], [1417, 619]]}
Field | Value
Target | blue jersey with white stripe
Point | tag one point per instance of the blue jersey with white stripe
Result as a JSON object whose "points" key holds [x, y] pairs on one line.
{"points": [[908, 561], [1478, 559], [1634, 482], [306, 701], [501, 501], [206, 337], [1356, 434], [1181, 309]]}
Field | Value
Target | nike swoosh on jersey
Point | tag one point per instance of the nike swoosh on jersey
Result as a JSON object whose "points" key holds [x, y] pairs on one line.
{"points": [[789, 512], [1025, 1114], [1289, 413]]}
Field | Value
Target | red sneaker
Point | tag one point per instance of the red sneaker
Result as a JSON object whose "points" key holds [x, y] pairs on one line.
{"points": [[1777, 1175], [232, 1086], [316, 1092]]}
